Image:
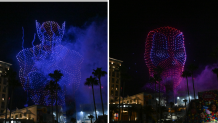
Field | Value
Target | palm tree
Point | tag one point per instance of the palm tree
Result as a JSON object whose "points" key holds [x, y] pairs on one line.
{"points": [[215, 70], [90, 82], [148, 110], [157, 77], [153, 80], [171, 105], [99, 73], [162, 109], [186, 74], [124, 77], [56, 76], [10, 74], [51, 86], [73, 120], [192, 68], [90, 117]]}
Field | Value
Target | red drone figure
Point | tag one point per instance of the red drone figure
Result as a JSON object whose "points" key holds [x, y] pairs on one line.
{"points": [[165, 47]]}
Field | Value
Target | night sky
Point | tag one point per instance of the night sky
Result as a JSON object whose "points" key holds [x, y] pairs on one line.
{"points": [[131, 22], [14, 16]]}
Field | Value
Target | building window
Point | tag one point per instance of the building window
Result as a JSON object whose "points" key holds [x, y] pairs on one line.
{"points": [[117, 81], [4, 81], [20, 115], [16, 116], [4, 90], [3, 105], [116, 93], [2, 111], [117, 74], [112, 91], [113, 74], [24, 114], [112, 80], [112, 85], [12, 116], [116, 87]]}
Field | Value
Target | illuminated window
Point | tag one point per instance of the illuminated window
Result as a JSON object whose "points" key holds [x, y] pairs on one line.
{"points": [[113, 66], [3, 99]]}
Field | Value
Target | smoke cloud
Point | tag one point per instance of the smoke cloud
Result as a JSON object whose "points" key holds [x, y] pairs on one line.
{"points": [[204, 81], [91, 42]]}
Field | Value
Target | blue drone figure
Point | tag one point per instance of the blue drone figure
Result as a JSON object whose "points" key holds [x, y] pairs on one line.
{"points": [[40, 60]]}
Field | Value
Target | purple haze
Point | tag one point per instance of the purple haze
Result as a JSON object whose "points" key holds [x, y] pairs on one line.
{"points": [[91, 43]]}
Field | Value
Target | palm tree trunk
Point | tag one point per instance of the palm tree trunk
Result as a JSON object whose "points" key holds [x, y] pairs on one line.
{"points": [[156, 100], [101, 98], [193, 85], [52, 108], [119, 108], [122, 100], [188, 89], [94, 101], [6, 107], [56, 102], [11, 101], [159, 100]]}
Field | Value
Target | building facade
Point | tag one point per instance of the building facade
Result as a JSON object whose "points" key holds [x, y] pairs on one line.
{"points": [[114, 79], [3, 83], [36, 113]]}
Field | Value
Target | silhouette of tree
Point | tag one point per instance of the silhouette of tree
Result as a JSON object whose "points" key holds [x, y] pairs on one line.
{"points": [[215, 70], [98, 73], [51, 86], [192, 68], [56, 76], [10, 76], [90, 117], [90, 82], [171, 106], [73, 120], [186, 74]]}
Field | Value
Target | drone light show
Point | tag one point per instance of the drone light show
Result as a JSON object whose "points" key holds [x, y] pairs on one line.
{"points": [[40, 60], [165, 47]]}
